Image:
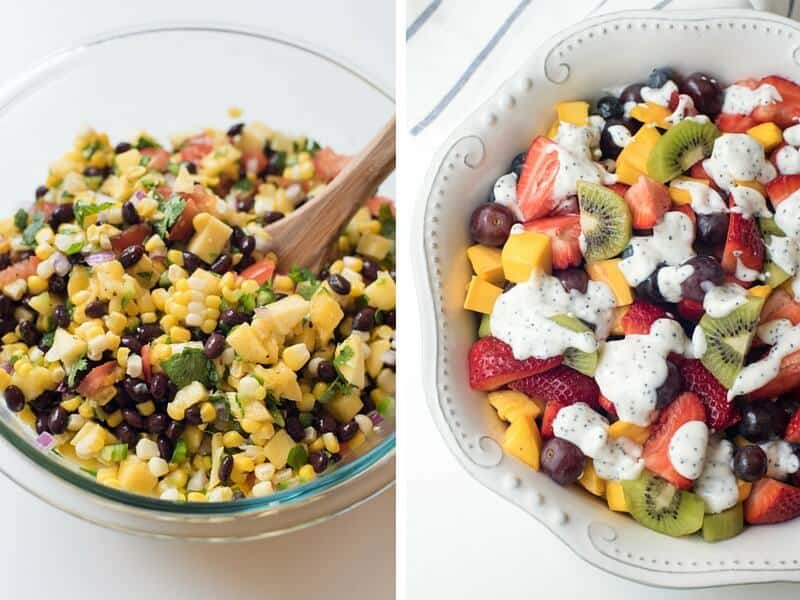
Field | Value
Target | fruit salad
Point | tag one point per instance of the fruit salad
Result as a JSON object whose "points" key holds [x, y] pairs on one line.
{"points": [[150, 335], [637, 277]]}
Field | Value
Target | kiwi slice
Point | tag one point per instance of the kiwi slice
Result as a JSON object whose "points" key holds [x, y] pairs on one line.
{"points": [[485, 328], [775, 275], [662, 507], [584, 362], [605, 221], [722, 526], [681, 147], [768, 226], [728, 340]]}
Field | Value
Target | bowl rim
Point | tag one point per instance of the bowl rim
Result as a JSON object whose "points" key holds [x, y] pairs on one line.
{"points": [[477, 121], [13, 91]]}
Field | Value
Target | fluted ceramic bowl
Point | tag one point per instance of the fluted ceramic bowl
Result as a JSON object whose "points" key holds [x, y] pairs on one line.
{"points": [[579, 63]]}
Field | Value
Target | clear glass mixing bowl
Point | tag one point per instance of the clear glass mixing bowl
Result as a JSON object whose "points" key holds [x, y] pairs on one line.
{"points": [[165, 79]]}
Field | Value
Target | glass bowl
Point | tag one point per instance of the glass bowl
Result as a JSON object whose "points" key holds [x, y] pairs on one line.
{"points": [[166, 79]]}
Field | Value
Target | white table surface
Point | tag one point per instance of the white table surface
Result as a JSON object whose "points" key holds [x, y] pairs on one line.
{"points": [[462, 541], [44, 553]]}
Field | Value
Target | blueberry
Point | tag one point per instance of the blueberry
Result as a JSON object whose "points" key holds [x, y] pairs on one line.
{"points": [[660, 76], [610, 107], [518, 163]]}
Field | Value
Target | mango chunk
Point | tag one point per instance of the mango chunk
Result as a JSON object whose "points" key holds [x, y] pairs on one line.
{"points": [[768, 135], [754, 185], [608, 272], [652, 113], [616, 323], [522, 440], [512, 405], [325, 315], [632, 161], [615, 496], [210, 237], [134, 476], [486, 262], [591, 481], [553, 131], [760, 291], [278, 448], [631, 431], [681, 196], [481, 295], [373, 245], [382, 292], [350, 360], [525, 252], [286, 313], [576, 112], [245, 342], [343, 407], [745, 487]]}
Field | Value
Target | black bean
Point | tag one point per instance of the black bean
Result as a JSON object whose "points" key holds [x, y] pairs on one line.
{"points": [[232, 317], [318, 461], [122, 148], [95, 172], [111, 407], [41, 423], [364, 319], [28, 333], [57, 284], [339, 284], [238, 235], [129, 213], [271, 216], [222, 265], [390, 318], [369, 271], [126, 434], [244, 263], [190, 261], [63, 213], [225, 467], [57, 420], [60, 316], [165, 447], [6, 305], [173, 431], [5, 260], [235, 129], [334, 458], [130, 342], [147, 333], [247, 245], [192, 415], [131, 255], [326, 371], [246, 203], [133, 418], [191, 167], [367, 404], [15, 399], [158, 386], [7, 325], [97, 309], [136, 389], [295, 429], [214, 346], [325, 424], [41, 191], [156, 423], [346, 431]]}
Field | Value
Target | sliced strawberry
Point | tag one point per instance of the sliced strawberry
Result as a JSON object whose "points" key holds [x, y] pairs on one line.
{"points": [[792, 433], [328, 164], [561, 384], [607, 406], [699, 380], [784, 113], [492, 364], [788, 379], [789, 90], [686, 407], [730, 123], [535, 185], [674, 99], [648, 201], [563, 232], [780, 305], [771, 501], [640, 317], [743, 243], [782, 187], [690, 310], [550, 411], [618, 188]]}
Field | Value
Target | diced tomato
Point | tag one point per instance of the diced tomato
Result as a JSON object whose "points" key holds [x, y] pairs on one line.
{"points": [[20, 270], [46, 208], [564, 233], [196, 148], [538, 177], [328, 164], [374, 205], [197, 201], [159, 158], [133, 235], [254, 161], [147, 368], [99, 378], [261, 271]]}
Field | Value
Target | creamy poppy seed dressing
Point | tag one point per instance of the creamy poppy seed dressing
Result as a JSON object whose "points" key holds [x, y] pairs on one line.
{"points": [[671, 243], [787, 215], [788, 160], [670, 280], [738, 157], [685, 104], [698, 345], [687, 449], [660, 95], [784, 252], [722, 300], [521, 316], [620, 459], [717, 483], [742, 100], [784, 339], [745, 273], [749, 202], [505, 193], [781, 459], [620, 135], [575, 146], [640, 361], [705, 199]]}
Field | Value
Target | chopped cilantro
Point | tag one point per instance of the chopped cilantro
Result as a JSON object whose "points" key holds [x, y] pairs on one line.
{"points": [[145, 274], [146, 142], [84, 209], [306, 281], [171, 209], [387, 221], [90, 148], [265, 295], [277, 162], [76, 367], [29, 235], [344, 355], [298, 274], [190, 365], [247, 302], [338, 385], [21, 219], [244, 185], [275, 411], [47, 339], [126, 299], [298, 456], [74, 248], [312, 146], [145, 160]]}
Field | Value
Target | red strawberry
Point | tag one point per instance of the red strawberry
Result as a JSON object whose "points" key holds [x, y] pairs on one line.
{"points": [[782, 187], [561, 384], [780, 305], [784, 113], [691, 310], [648, 201], [607, 406], [697, 379], [674, 99], [550, 411], [641, 316], [788, 379], [618, 188], [492, 364], [771, 502], [564, 232], [686, 407], [792, 433], [535, 185], [743, 243], [730, 123]]}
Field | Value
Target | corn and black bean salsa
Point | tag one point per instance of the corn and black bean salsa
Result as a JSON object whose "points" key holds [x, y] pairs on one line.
{"points": [[147, 336]]}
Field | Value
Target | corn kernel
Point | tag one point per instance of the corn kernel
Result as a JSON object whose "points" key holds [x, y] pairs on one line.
{"points": [[168, 322], [336, 267], [86, 410], [243, 463], [36, 284], [114, 418], [296, 356], [72, 404], [10, 338], [306, 473], [146, 408], [175, 257], [207, 412], [232, 439], [196, 497], [44, 251], [208, 326], [180, 335], [159, 297], [317, 445], [331, 443], [122, 357], [250, 425], [213, 302], [319, 389], [283, 284]]}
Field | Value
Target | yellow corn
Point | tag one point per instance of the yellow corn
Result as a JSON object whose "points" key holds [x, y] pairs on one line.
{"points": [[168, 322], [36, 284], [146, 408], [72, 404], [159, 297], [243, 463], [196, 497], [114, 418], [207, 412], [336, 267], [180, 335], [44, 251], [306, 473], [122, 357], [175, 257], [283, 284], [148, 317], [317, 445], [250, 425], [232, 439], [86, 410]]}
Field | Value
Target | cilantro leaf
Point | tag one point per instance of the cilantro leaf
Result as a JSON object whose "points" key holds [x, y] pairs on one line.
{"points": [[338, 385], [29, 235], [312, 146], [265, 295], [190, 365], [84, 209], [21, 219], [387, 221], [145, 141], [74, 248], [344, 355], [247, 302], [74, 369], [298, 274], [91, 148], [298, 456], [47, 339], [306, 281], [171, 209], [244, 185]]}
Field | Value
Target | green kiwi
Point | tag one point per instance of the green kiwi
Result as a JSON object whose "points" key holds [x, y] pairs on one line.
{"points": [[728, 340], [605, 221], [775, 275], [679, 148], [768, 226], [485, 328], [722, 526], [584, 362], [662, 507]]}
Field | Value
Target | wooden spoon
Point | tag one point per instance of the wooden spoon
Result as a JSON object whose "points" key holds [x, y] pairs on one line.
{"points": [[304, 237]]}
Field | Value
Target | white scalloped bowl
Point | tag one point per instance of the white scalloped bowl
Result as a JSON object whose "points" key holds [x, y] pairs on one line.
{"points": [[578, 63]]}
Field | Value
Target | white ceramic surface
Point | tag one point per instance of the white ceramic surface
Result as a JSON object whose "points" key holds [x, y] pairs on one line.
{"points": [[578, 63]]}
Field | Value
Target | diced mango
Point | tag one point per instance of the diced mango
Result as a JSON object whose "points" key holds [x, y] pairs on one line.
{"points": [[632, 161], [210, 237], [286, 313], [278, 448], [135, 476], [553, 131], [512, 405], [350, 359], [616, 323], [374, 362], [753, 185], [768, 135], [523, 441], [382, 292], [325, 315], [745, 487], [343, 407], [650, 112], [525, 252], [681, 196], [615, 496], [486, 262], [631, 431], [608, 272], [761, 291], [591, 481], [66, 347], [481, 295], [576, 112], [373, 245], [245, 342]]}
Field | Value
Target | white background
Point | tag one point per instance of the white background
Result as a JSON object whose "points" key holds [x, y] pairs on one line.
{"points": [[462, 540], [46, 553]]}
